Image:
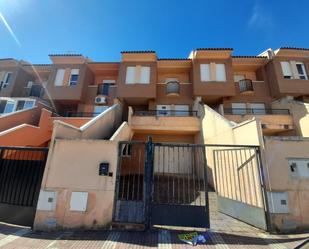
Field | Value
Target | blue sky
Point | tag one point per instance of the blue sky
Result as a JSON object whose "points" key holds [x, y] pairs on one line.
{"points": [[100, 29]]}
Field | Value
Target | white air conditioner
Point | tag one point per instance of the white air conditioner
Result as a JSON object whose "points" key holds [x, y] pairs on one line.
{"points": [[100, 100]]}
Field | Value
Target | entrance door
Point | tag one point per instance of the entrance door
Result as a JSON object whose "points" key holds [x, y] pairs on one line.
{"points": [[163, 110]]}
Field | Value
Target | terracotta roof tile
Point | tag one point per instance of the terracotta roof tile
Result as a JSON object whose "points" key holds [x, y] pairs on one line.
{"points": [[248, 56], [139, 52], [214, 49], [65, 55], [294, 48], [174, 59]]}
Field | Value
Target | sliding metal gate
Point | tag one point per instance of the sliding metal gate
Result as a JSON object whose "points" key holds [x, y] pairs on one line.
{"points": [[161, 184], [21, 172]]}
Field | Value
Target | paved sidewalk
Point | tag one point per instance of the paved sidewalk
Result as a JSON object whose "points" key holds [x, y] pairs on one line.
{"points": [[225, 232], [17, 237]]}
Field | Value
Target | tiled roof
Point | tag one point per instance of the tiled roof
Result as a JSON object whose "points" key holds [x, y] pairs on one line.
{"points": [[65, 55], [6, 59], [214, 49], [248, 56], [139, 52], [307, 49], [174, 59]]}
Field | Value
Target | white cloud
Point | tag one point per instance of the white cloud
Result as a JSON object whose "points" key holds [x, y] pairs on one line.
{"points": [[260, 18]]}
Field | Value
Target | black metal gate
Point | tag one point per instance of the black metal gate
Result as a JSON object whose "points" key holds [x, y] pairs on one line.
{"points": [[129, 200], [162, 184], [21, 172], [179, 196]]}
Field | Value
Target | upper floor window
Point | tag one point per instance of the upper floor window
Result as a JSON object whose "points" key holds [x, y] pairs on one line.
{"points": [[6, 79], [213, 72], [74, 77], [66, 77], [138, 74], [293, 70]]}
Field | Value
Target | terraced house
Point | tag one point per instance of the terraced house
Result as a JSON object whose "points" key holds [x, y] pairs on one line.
{"points": [[150, 141]]}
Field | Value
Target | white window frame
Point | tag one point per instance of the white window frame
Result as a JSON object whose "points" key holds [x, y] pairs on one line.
{"points": [[7, 79], [73, 72], [205, 72], [59, 77], [144, 75], [130, 74], [220, 72], [304, 70], [286, 69]]}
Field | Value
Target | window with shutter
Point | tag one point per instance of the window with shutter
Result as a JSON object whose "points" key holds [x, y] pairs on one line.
{"points": [[59, 77], [145, 75], [286, 70], [220, 72], [205, 72], [130, 75]]}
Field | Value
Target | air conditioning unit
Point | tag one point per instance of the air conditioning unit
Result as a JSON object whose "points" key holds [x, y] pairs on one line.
{"points": [[100, 100]]}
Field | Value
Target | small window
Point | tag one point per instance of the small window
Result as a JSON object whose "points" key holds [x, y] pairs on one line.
{"points": [[286, 70], [20, 105], [205, 72], [301, 70], [9, 107], [74, 77], [130, 75], [220, 72], [126, 150], [24, 104], [7, 79]]}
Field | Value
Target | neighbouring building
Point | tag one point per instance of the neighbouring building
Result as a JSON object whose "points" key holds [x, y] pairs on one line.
{"points": [[239, 124]]}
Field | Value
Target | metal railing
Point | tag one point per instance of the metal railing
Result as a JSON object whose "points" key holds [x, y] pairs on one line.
{"points": [[166, 113], [172, 87], [256, 111], [76, 114], [245, 85]]}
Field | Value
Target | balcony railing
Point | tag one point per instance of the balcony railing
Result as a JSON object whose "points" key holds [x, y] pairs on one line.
{"points": [[166, 113], [77, 114], [256, 111], [172, 88], [245, 85]]}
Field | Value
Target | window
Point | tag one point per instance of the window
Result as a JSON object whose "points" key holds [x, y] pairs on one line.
{"points": [[301, 70], [104, 88], [7, 79], [138, 74], [239, 108], [205, 72], [182, 110], [213, 72], [293, 70], [59, 77], [220, 72], [126, 150], [24, 104], [98, 109], [74, 77], [145, 75], [9, 107], [130, 77], [286, 70]]}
